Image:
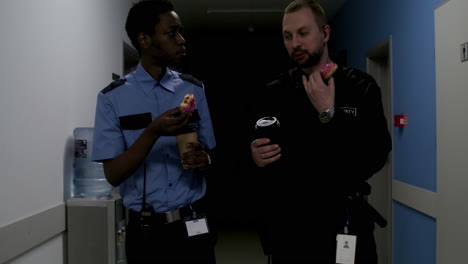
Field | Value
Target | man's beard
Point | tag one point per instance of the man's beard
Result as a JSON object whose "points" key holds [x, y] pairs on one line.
{"points": [[313, 60]]}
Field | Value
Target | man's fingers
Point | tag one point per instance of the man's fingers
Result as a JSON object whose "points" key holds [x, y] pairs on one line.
{"points": [[331, 82], [260, 142], [194, 146]]}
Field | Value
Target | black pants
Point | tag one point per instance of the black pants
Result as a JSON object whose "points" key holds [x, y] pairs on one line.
{"points": [[305, 241], [168, 243], [365, 253]]}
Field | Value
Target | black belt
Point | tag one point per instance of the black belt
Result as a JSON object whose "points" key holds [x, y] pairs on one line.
{"points": [[169, 216]]}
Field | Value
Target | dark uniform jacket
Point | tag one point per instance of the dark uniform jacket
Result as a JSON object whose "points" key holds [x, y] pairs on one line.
{"points": [[306, 192]]}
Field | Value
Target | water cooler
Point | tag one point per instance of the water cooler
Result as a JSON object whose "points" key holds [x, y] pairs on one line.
{"points": [[96, 230], [95, 213]]}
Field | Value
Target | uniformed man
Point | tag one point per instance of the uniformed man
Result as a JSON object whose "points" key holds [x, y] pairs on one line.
{"points": [[332, 138], [137, 119]]}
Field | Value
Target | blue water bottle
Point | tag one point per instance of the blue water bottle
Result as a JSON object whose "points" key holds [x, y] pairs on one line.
{"points": [[89, 179]]}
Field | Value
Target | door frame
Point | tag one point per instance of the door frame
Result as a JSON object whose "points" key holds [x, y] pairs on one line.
{"points": [[379, 66]]}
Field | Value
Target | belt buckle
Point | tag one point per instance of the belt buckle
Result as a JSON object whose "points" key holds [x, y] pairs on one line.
{"points": [[172, 216]]}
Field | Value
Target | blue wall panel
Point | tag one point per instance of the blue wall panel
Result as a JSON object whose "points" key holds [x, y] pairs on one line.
{"points": [[414, 236], [359, 27]]}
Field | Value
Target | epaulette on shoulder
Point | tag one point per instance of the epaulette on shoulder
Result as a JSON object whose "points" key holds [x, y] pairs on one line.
{"points": [[279, 80], [114, 85], [190, 78], [359, 79], [290, 78]]}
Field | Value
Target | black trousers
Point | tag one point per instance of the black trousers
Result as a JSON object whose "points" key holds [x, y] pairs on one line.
{"points": [[365, 253], [167, 243], [306, 240]]}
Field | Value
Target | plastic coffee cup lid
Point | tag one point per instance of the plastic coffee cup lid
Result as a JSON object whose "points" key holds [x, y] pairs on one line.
{"points": [[267, 121]]}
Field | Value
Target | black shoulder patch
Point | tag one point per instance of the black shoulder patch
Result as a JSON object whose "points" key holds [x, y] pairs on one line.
{"points": [[190, 78], [113, 85]]}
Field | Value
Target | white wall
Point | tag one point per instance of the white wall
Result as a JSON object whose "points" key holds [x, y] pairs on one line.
{"points": [[451, 24], [55, 57]]}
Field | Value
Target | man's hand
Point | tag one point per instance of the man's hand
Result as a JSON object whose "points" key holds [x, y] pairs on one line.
{"points": [[196, 158], [264, 153], [320, 94], [167, 123]]}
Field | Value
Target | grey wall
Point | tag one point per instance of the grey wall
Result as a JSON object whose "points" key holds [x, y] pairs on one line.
{"points": [[55, 57], [451, 25]]}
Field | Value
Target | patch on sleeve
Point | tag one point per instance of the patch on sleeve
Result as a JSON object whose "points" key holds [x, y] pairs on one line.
{"points": [[135, 122], [190, 78], [113, 85]]}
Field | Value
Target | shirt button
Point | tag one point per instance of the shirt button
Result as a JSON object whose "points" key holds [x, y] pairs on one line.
{"points": [[170, 184], [167, 155]]}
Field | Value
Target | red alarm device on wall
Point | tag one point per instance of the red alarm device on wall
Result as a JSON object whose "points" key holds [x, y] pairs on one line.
{"points": [[401, 120]]}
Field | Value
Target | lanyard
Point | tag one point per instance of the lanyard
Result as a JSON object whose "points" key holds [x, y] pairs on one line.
{"points": [[143, 202], [346, 226]]}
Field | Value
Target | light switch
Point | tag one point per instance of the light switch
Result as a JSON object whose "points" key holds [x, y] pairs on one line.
{"points": [[464, 51]]}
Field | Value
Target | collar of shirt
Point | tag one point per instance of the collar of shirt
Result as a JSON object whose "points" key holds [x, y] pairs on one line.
{"points": [[148, 83]]}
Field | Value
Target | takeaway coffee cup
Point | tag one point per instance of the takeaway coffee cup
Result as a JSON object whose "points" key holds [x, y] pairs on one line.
{"points": [[187, 135], [268, 127]]}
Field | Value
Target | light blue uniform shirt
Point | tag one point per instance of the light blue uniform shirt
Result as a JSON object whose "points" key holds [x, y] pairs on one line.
{"points": [[123, 111]]}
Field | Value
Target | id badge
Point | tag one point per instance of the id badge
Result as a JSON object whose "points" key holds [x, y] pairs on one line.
{"points": [[345, 249], [196, 225]]}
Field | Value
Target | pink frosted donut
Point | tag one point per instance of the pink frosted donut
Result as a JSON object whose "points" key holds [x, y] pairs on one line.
{"points": [[327, 70], [188, 104]]}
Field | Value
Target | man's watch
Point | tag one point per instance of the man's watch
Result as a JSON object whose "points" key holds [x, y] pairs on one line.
{"points": [[327, 115]]}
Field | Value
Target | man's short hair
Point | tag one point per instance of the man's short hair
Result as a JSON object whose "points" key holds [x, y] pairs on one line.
{"points": [[317, 10], [143, 17]]}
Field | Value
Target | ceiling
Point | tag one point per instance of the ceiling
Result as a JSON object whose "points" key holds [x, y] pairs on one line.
{"points": [[250, 15]]}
